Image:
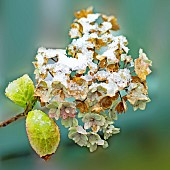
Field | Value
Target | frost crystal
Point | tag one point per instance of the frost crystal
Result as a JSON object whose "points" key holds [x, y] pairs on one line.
{"points": [[91, 79]]}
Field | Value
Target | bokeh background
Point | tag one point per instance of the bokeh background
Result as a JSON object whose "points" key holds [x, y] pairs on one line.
{"points": [[144, 141]]}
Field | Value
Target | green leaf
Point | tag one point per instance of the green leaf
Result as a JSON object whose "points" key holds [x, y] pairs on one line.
{"points": [[43, 133], [21, 91]]}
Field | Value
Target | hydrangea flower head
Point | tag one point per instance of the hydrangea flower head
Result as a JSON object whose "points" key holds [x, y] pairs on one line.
{"points": [[92, 79]]}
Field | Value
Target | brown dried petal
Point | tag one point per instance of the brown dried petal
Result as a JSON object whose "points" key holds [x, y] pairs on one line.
{"points": [[106, 102], [136, 79], [113, 67], [79, 80], [118, 53], [142, 68], [76, 27], [121, 107], [83, 13], [82, 106], [115, 97], [138, 93], [112, 20], [100, 57], [97, 108], [103, 63], [99, 43], [42, 92], [94, 55]]}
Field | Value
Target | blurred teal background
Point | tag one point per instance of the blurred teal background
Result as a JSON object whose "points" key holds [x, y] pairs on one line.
{"points": [[143, 143]]}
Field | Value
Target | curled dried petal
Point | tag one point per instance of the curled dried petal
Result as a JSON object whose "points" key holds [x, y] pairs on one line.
{"points": [[121, 107], [142, 65]]}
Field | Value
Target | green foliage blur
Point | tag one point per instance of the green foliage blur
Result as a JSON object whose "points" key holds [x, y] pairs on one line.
{"points": [[143, 143]]}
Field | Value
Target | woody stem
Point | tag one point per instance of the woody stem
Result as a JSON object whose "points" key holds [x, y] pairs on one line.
{"points": [[19, 116], [12, 119]]}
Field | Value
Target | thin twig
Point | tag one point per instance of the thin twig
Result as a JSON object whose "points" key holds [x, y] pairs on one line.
{"points": [[12, 119], [120, 95], [51, 74], [19, 116], [53, 59]]}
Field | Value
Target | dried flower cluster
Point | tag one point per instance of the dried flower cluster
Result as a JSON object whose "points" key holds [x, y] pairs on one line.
{"points": [[89, 82]]}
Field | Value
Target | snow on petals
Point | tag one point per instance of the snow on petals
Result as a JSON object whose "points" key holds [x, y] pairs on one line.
{"points": [[92, 79]]}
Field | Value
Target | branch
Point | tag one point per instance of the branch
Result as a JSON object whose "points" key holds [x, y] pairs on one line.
{"points": [[20, 115], [12, 119]]}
